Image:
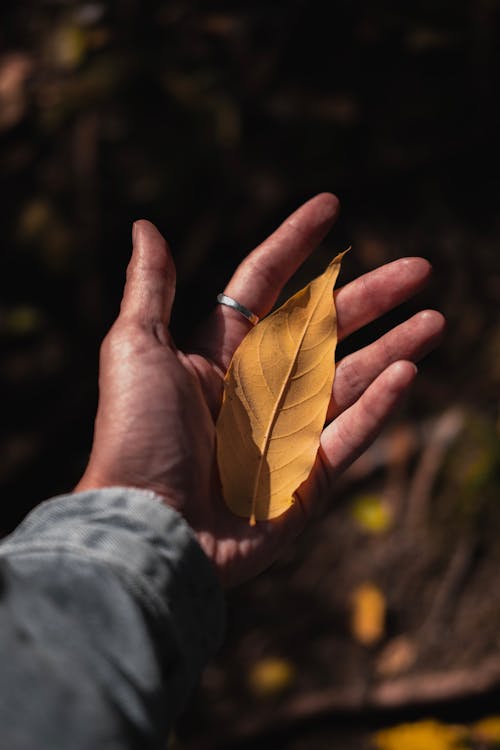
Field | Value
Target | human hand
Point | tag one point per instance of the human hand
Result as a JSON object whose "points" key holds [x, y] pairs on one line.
{"points": [[155, 424]]}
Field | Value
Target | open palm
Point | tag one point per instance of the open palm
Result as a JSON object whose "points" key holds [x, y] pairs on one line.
{"points": [[155, 425]]}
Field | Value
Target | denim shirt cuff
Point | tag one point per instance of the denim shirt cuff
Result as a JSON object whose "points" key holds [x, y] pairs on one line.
{"points": [[148, 545]]}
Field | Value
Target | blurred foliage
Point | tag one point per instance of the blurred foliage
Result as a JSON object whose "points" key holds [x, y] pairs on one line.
{"points": [[368, 613], [488, 730], [474, 466], [425, 735], [433, 735], [271, 676], [428, 735], [371, 513]]}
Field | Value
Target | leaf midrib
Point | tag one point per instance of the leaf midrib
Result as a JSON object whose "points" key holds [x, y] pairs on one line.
{"points": [[267, 434]]}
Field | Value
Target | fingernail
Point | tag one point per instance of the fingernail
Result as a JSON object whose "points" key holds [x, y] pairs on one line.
{"points": [[403, 372], [414, 373], [134, 232], [414, 369]]}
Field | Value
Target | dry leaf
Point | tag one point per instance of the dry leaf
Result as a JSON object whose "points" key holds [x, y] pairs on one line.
{"points": [[67, 46], [372, 514], [429, 734], [271, 676], [488, 730], [276, 396], [368, 614]]}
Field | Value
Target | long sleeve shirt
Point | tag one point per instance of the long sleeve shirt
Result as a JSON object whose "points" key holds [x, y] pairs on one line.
{"points": [[109, 609]]}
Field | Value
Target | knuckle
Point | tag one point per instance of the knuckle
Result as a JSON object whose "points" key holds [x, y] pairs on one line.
{"points": [[350, 374], [132, 337], [118, 337], [267, 273], [386, 350], [371, 415], [108, 343], [346, 437]]}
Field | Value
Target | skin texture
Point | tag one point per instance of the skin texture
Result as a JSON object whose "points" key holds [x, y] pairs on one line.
{"points": [[157, 406]]}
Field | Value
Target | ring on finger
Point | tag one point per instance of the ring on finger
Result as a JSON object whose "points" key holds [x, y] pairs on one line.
{"points": [[223, 299]]}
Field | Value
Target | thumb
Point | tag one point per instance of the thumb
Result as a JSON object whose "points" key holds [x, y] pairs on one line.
{"points": [[150, 288]]}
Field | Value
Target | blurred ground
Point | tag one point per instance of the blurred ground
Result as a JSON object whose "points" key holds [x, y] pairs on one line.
{"points": [[214, 120]]}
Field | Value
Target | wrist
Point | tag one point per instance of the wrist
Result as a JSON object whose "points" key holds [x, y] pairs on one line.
{"points": [[93, 481]]}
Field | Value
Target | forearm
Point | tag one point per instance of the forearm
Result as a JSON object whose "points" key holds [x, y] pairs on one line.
{"points": [[109, 610]]}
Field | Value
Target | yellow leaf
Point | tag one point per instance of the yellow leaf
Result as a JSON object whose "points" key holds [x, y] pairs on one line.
{"points": [[488, 729], [371, 514], [368, 614], [34, 219], [422, 735], [271, 676], [22, 320], [67, 46], [276, 396]]}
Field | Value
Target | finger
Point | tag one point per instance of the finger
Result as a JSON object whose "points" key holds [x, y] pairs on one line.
{"points": [[345, 438], [150, 287], [377, 292], [353, 431], [411, 340], [259, 279]]}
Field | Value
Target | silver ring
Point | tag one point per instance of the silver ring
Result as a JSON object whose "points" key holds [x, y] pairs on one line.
{"points": [[223, 299]]}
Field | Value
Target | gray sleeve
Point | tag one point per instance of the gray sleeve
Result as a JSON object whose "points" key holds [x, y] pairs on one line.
{"points": [[109, 609]]}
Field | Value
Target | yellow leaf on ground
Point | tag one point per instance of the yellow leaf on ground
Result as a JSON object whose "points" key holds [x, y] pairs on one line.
{"points": [[371, 514], [21, 320], [67, 46], [422, 735], [276, 395], [271, 676], [488, 729], [368, 614]]}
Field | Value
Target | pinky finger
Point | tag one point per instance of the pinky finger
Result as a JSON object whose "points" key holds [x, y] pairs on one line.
{"points": [[354, 430]]}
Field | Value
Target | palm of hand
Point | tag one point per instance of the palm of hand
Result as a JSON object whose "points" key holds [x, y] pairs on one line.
{"points": [[157, 406], [136, 444]]}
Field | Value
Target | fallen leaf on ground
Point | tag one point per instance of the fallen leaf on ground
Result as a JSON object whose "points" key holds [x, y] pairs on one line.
{"points": [[368, 614], [270, 676], [488, 730], [371, 514], [422, 735]]}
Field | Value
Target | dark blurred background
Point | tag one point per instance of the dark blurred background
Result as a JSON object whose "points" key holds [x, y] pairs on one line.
{"points": [[214, 120]]}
